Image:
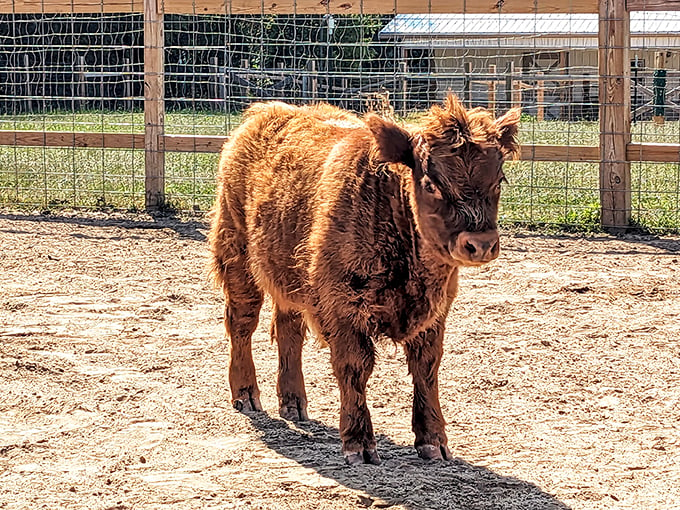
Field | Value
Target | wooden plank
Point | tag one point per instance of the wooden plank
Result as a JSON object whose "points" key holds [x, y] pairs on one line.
{"points": [[191, 143], [653, 5], [70, 139], [268, 7], [172, 143], [614, 96], [154, 106], [654, 152], [377, 6], [573, 153], [69, 6], [651, 152], [213, 144]]}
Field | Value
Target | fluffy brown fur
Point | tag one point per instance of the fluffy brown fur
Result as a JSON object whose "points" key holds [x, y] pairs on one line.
{"points": [[356, 228]]}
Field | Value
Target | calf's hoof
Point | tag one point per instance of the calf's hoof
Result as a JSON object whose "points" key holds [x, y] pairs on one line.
{"points": [[362, 457], [293, 412], [434, 452], [247, 403]]}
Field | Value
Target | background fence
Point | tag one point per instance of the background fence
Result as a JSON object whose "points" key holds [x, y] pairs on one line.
{"points": [[123, 104]]}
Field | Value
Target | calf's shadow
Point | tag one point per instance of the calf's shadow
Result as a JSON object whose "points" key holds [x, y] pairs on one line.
{"points": [[402, 478]]}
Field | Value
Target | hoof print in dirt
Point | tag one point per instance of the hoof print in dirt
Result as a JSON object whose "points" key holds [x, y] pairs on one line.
{"points": [[432, 452], [362, 457]]}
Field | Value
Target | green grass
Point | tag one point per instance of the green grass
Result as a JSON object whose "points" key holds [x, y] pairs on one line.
{"points": [[184, 122], [568, 193], [555, 193], [77, 177]]}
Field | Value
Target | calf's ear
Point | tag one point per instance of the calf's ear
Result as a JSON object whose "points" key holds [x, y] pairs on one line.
{"points": [[392, 142], [508, 126]]}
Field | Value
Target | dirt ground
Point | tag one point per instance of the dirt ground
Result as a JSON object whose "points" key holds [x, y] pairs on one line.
{"points": [[560, 381]]}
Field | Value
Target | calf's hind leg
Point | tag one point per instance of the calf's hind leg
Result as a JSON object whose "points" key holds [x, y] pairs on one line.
{"points": [[241, 314], [241, 321], [288, 329]]}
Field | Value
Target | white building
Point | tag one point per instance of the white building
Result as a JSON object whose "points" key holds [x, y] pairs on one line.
{"points": [[439, 46]]}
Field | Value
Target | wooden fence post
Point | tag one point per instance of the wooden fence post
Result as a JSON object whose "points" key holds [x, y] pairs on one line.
{"points": [[127, 85], [29, 91], [659, 88], [509, 72], [566, 89], [491, 98], [467, 85], [154, 105], [215, 71], [242, 88], [614, 95], [517, 93], [81, 85], [404, 87], [310, 82], [540, 98]]}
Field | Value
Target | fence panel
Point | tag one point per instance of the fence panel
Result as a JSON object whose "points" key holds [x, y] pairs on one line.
{"points": [[63, 77], [96, 113]]}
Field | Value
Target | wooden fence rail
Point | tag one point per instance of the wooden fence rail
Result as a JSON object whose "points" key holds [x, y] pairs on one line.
{"points": [[656, 152], [299, 6], [614, 153]]}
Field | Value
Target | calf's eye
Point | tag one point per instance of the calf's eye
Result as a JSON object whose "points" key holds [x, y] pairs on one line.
{"points": [[429, 186]]}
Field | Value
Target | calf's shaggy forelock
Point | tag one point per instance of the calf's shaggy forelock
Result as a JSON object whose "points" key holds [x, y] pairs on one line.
{"points": [[357, 228]]}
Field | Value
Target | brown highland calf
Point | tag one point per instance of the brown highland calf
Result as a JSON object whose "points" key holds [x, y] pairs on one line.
{"points": [[356, 228]]}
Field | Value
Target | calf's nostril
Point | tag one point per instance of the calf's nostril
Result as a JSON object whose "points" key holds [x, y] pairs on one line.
{"points": [[494, 248], [470, 247]]}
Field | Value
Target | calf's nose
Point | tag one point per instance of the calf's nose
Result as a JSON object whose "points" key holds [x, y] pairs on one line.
{"points": [[477, 247]]}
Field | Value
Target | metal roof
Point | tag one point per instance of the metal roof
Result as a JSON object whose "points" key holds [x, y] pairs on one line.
{"points": [[535, 25]]}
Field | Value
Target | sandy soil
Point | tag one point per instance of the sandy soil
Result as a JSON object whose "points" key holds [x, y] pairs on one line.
{"points": [[560, 382]]}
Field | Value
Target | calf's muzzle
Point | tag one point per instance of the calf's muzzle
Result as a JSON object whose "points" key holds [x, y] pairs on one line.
{"points": [[476, 248]]}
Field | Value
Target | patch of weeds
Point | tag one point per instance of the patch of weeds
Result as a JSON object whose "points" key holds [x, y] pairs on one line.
{"points": [[584, 219]]}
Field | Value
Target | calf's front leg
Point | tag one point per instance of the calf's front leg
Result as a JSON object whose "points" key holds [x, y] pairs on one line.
{"points": [[424, 354], [353, 358]]}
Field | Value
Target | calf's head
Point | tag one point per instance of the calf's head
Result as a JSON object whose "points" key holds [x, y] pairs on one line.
{"points": [[455, 160]]}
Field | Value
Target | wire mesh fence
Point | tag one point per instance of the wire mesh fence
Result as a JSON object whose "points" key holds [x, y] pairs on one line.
{"points": [[84, 73], [70, 73]]}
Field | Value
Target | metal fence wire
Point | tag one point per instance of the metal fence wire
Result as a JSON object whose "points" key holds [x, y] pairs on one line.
{"points": [[72, 98]]}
